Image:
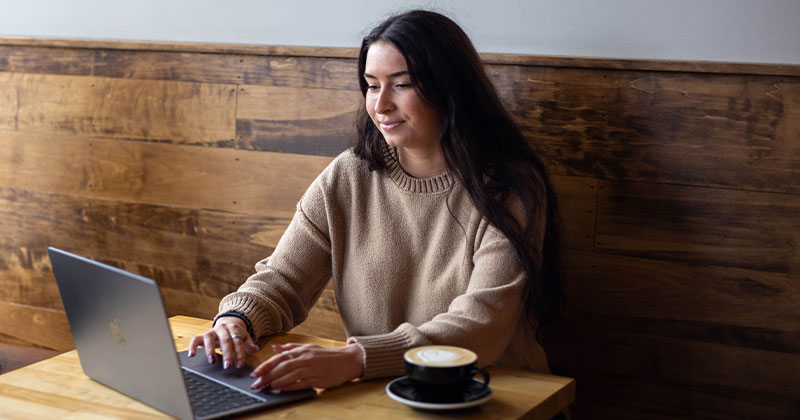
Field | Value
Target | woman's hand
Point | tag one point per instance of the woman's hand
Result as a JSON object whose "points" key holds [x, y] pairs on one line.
{"points": [[299, 366], [230, 335]]}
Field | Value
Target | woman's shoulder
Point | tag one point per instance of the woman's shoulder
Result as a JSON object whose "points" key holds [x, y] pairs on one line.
{"points": [[346, 171], [348, 163], [347, 176]]}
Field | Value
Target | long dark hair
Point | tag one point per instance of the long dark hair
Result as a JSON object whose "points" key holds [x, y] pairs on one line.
{"points": [[481, 144]]}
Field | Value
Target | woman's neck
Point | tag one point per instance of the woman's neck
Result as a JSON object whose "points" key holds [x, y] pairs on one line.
{"points": [[422, 163]]}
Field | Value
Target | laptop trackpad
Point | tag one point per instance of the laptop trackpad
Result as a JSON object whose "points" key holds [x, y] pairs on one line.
{"points": [[236, 377]]}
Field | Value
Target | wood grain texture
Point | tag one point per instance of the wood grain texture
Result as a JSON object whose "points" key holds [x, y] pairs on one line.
{"points": [[265, 184], [280, 103], [177, 66], [611, 63], [294, 120], [196, 256], [577, 201], [650, 336], [310, 72], [690, 129], [302, 137], [679, 376], [44, 327], [178, 112], [285, 71], [732, 306], [200, 251], [651, 401], [100, 229], [20, 59], [9, 105], [26, 277], [745, 229]]}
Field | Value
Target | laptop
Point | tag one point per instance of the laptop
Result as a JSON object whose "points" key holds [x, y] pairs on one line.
{"points": [[124, 341]]}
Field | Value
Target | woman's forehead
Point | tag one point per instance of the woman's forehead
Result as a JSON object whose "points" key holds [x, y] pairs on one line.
{"points": [[384, 59]]}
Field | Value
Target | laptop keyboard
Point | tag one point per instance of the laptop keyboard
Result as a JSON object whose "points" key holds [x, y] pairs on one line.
{"points": [[209, 397]]}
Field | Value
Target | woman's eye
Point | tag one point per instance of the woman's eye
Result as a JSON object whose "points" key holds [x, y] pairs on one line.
{"points": [[403, 85], [372, 87]]}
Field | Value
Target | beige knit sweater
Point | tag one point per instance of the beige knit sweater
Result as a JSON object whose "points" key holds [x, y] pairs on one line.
{"points": [[412, 261]]}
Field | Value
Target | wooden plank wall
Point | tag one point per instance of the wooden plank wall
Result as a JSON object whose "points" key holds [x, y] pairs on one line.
{"points": [[679, 186]]}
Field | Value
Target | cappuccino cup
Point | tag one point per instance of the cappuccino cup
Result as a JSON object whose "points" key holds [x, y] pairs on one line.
{"points": [[443, 373]]}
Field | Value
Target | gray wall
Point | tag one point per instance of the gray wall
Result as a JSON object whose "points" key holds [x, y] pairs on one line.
{"points": [[716, 30]]}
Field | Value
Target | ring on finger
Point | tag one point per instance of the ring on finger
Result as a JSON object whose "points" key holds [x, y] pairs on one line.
{"points": [[288, 354], [236, 335]]}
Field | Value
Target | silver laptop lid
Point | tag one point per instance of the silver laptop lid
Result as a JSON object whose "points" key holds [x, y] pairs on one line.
{"points": [[121, 331]]}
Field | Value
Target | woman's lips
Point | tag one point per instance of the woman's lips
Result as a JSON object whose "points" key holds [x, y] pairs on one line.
{"points": [[387, 126]]}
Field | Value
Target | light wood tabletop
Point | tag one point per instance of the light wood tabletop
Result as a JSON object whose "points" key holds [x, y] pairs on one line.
{"points": [[57, 388]]}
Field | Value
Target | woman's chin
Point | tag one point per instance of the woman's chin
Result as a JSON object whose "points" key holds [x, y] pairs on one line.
{"points": [[392, 142]]}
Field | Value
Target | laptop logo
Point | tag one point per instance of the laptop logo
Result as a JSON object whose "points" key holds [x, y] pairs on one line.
{"points": [[116, 331]]}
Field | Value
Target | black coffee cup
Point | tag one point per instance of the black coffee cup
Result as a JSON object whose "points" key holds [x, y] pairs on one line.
{"points": [[443, 373]]}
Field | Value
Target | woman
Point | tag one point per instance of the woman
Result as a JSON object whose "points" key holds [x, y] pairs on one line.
{"points": [[439, 226]]}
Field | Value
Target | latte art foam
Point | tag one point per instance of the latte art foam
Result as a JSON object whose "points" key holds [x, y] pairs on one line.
{"points": [[440, 356], [437, 355]]}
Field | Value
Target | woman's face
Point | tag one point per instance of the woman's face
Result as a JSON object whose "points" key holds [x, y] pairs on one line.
{"points": [[394, 105]]}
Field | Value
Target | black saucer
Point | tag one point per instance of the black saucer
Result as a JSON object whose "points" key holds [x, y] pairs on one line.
{"points": [[401, 390]]}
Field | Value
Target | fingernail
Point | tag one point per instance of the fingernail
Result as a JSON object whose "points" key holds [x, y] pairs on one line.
{"points": [[227, 364], [210, 359]]}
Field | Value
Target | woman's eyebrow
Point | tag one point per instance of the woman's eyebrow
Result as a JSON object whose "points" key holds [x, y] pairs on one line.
{"points": [[395, 74]]}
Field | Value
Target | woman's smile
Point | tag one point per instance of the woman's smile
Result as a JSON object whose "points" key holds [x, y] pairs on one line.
{"points": [[387, 126]]}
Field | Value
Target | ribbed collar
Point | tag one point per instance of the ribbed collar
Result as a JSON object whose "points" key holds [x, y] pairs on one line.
{"points": [[435, 184]]}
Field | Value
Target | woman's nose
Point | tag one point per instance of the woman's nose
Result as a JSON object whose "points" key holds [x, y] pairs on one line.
{"points": [[384, 103]]}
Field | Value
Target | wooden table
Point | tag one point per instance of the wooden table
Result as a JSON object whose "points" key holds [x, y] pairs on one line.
{"points": [[57, 388]]}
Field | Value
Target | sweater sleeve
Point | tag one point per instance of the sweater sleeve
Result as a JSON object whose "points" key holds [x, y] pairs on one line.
{"points": [[483, 319], [288, 283]]}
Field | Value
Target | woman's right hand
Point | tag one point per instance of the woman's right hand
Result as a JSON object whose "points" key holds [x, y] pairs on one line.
{"points": [[230, 335]]}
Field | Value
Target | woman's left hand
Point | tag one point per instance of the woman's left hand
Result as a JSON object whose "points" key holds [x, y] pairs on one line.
{"points": [[299, 366]]}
